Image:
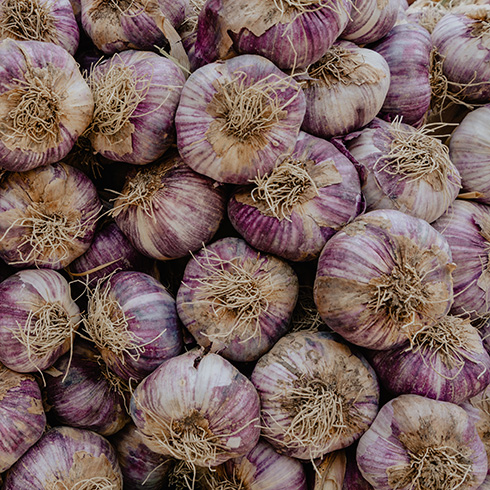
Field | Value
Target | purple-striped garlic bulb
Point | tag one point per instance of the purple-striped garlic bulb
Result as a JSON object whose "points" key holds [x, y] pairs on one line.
{"points": [[235, 300]]}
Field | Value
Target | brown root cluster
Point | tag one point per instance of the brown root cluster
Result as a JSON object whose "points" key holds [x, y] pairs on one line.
{"points": [[303, 6], [305, 315], [288, 185], [94, 483]]}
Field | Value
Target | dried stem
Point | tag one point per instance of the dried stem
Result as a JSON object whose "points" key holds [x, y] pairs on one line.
{"points": [[285, 187]]}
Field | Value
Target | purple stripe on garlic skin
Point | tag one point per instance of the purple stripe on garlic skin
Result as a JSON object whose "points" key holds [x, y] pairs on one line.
{"points": [[469, 149], [50, 21], [298, 224], [316, 394], [383, 277], [463, 38], [466, 227], [416, 442], [47, 216], [22, 417], [133, 321], [344, 90], [353, 479], [404, 169], [142, 469], [371, 20], [235, 300], [81, 393], [406, 48], [168, 210], [445, 362], [40, 80], [220, 139], [197, 407], [290, 34], [142, 128], [66, 457], [39, 318]]}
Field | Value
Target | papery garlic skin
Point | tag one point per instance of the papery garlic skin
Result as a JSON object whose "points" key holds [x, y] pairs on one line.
{"points": [[22, 417], [331, 471], [368, 274], [307, 383], [66, 458], [469, 149], [50, 21], [195, 398], [370, 20], [39, 319], [290, 34], [349, 95], [413, 433], [210, 120], [462, 37], [47, 216], [40, 81], [217, 319], [406, 49]]}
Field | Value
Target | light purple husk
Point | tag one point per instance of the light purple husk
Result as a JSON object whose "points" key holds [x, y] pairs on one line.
{"points": [[141, 25], [469, 149], [464, 40], [323, 358], [406, 48], [211, 388], [270, 470], [142, 469], [353, 479], [366, 250], [149, 130], [67, 455], [466, 227], [72, 104], [371, 20], [290, 39], [212, 152], [302, 234], [48, 194], [428, 372], [341, 106], [61, 22], [151, 322], [183, 212], [210, 325], [80, 394], [22, 415], [110, 251], [419, 423], [385, 187], [21, 295]]}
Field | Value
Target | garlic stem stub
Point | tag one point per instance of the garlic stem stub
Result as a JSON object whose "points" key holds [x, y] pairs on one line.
{"points": [[50, 21], [132, 320], [384, 277], [446, 361], [22, 417], [290, 33], [344, 90], [45, 104], [311, 193], [419, 443], [66, 457], [197, 407], [235, 300], [167, 210], [136, 94], [39, 319], [330, 472], [81, 392], [48, 216], [236, 117], [466, 227], [316, 394], [404, 168]]}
